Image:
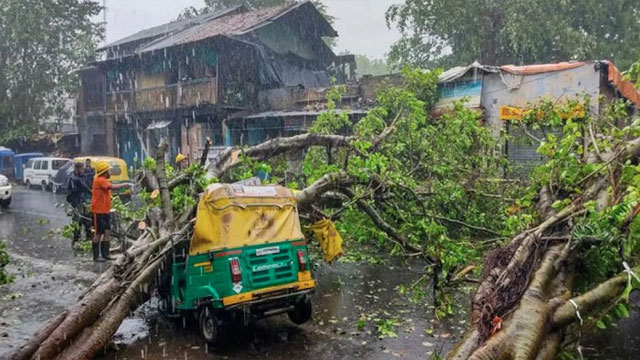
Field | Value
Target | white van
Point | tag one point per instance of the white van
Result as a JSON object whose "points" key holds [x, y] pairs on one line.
{"points": [[39, 171]]}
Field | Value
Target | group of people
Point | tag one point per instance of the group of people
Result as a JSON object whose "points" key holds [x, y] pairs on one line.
{"points": [[87, 182], [94, 183]]}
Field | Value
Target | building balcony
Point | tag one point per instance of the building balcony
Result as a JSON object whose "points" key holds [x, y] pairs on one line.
{"points": [[187, 94]]}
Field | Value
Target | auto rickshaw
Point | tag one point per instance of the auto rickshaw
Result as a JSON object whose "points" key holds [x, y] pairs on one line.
{"points": [[247, 259]]}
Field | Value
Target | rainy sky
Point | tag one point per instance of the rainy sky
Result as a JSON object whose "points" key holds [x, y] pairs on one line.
{"points": [[360, 23]]}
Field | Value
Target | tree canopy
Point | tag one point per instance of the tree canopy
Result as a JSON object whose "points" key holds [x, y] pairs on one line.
{"points": [[41, 45], [457, 32]]}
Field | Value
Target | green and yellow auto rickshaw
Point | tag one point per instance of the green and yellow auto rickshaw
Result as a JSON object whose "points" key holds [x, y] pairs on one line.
{"points": [[247, 259]]}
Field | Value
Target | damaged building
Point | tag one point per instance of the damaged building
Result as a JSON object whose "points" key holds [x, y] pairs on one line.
{"points": [[183, 79], [502, 93]]}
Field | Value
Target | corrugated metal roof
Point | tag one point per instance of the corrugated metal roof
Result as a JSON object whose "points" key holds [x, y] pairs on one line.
{"points": [[224, 23], [459, 71], [172, 27], [615, 78]]}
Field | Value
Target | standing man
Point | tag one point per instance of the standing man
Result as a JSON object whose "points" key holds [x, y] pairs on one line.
{"points": [[77, 191], [101, 209], [89, 173]]}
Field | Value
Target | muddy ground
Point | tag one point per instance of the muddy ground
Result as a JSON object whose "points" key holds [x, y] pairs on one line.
{"points": [[50, 275]]}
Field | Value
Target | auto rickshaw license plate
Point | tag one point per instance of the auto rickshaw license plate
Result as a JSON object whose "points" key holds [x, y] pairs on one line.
{"points": [[268, 251]]}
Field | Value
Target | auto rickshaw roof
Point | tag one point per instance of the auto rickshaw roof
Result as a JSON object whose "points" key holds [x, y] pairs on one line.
{"points": [[232, 216], [247, 194]]}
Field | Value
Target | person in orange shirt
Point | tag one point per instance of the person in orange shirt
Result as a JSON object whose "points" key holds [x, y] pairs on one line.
{"points": [[101, 209]]}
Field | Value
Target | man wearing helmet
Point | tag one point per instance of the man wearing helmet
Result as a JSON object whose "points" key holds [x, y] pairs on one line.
{"points": [[182, 163], [101, 208]]}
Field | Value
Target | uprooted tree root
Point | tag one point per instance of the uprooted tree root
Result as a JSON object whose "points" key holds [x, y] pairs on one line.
{"points": [[524, 303]]}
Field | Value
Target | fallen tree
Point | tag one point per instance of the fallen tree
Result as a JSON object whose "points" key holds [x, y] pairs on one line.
{"points": [[571, 271], [87, 326], [416, 186]]}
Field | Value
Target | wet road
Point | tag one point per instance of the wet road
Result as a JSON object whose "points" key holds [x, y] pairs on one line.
{"points": [[346, 292], [50, 275]]}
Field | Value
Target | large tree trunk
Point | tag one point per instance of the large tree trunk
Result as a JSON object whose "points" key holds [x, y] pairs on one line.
{"points": [[526, 285], [87, 326], [523, 305]]}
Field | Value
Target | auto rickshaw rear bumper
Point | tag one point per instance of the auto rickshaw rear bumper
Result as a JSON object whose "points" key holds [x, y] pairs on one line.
{"points": [[270, 294]]}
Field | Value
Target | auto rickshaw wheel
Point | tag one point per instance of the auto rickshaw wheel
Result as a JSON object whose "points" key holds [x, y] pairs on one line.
{"points": [[209, 328], [301, 312]]}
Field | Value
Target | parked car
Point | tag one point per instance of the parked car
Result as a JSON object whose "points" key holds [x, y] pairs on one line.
{"points": [[39, 171], [5, 192], [19, 162]]}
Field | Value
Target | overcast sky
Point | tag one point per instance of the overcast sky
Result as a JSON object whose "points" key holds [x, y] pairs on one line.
{"points": [[360, 23]]}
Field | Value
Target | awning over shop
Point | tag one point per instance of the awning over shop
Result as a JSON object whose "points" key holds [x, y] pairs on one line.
{"points": [[457, 72]]}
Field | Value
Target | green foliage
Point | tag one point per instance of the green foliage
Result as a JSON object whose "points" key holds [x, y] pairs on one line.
{"points": [[332, 121], [247, 169], [430, 169], [68, 230], [150, 164], [386, 327], [634, 73], [458, 32], [128, 213], [84, 246], [38, 68], [181, 198], [4, 261], [199, 175]]}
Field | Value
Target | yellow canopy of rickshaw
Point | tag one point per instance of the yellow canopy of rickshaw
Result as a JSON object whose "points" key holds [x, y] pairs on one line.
{"points": [[231, 216]]}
